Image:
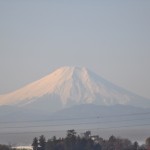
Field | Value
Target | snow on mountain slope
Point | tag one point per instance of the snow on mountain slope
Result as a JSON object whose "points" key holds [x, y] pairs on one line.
{"points": [[72, 85]]}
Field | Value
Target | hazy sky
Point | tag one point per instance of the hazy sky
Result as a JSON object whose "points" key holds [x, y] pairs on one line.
{"points": [[110, 37]]}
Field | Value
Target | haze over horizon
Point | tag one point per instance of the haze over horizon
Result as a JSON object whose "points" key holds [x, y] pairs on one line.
{"points": [[110, 38]]}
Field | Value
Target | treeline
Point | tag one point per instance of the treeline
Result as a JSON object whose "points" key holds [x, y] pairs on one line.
{"points": [[86, 141], [5, 147], [72, 141]]}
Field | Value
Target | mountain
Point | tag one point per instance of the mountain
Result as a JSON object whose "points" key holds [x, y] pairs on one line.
{"points": [[79, 99], [68, 86]]}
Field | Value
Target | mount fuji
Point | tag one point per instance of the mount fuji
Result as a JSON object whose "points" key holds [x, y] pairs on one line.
{"points": [[72, 98], [68, 86]]}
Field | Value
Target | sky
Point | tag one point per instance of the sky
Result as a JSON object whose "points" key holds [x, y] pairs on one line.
{"points": [[111, 38]]}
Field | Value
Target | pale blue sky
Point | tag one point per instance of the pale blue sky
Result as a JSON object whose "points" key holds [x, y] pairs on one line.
{"points": [[110, 37]]}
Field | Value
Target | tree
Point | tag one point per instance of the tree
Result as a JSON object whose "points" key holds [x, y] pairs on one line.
{"points": [[147, 142], [142, 147], [70, 140], [42, 142], [71, 134], [112, 142], [87, 134], [35, 143], [4, 147], [135, 145]]}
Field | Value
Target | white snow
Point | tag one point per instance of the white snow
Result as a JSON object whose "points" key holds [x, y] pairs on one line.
{"points": [[70, 83]]}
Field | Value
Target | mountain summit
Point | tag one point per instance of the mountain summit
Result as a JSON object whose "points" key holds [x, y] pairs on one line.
{"points": [[68, 86]]}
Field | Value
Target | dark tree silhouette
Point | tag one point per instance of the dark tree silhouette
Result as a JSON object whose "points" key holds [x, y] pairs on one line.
{"points": [[42, 142], [135, 145], [4, 147], [147, 142], [35, 143], [87, 142]]}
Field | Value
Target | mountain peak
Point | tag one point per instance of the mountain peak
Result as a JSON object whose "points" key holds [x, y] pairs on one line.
{"points": [[74, 69]]}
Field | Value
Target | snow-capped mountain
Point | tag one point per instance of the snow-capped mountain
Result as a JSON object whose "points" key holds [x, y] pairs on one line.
{"points": [[67, 86], [31, 107]]}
